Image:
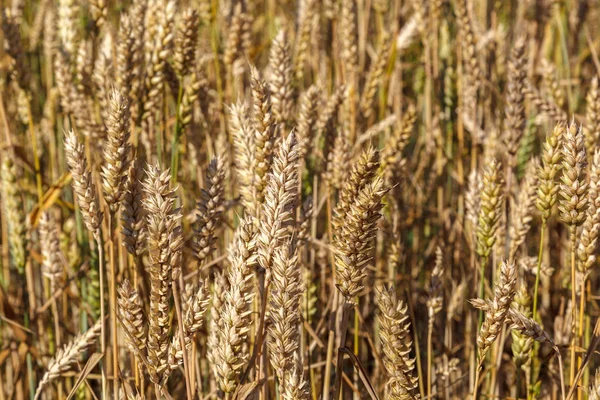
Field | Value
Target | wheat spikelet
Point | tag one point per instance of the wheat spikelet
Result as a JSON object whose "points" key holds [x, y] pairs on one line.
{"points": [[185, 42], [515, 97], [397, 345], [521, 345], [13, 212], [296, 386], [392, 156], [280, 63], [327, 120], [573, 189], [353, 238], [67, 16], [374, 77], [348, 39], [523, 208], [98, 10], [586, 249], [131, 312], [116, 150], [307, 118], [126, 69], [547, 192], [210, 208], [472, 69], [216, 322], [496, 314], [278, 209], [490, 209], [67, 356], [243, 145], [165, 243], [103, 77], [234, 45], [544, 105], [551, 83], [594, 389], [592, 116], [435, 293], [303, 34], [338, 160], [191, 95], [14, 48], [84, 188], [133, 214], [50, 246]]}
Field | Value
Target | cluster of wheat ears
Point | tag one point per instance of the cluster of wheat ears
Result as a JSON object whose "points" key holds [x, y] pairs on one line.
{"points": [[312, 199]]}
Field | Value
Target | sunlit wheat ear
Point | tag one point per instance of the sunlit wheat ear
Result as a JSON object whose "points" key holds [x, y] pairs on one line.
{"points": [[592, 116], [281, 196], [302, 43], [83, 186], [495, 316], [234, 46], [515, 97], [131, 312], [573, 188], [13, 212], [307, 119], [395, 338], [67, 356], [521, 345], [280, 63], [235, 315], [393, 160], [210, 208], [348, 38], [133, 213], [185, 41], [490, 209], [165, 242], [67, 18], [353, 240], [116, 150], [547, 192], [50, 246], [374, 78], [126, 69], [524, 207], [586, 250], [243, 145], [551, 83]]}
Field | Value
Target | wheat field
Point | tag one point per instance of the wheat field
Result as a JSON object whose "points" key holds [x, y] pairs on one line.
{"points": [[311, 199]]}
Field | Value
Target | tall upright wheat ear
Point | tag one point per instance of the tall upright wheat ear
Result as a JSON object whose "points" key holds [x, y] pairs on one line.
{"points": [[13, 211], [67, 356], [495, 316], [395, 338], [165, 243]]}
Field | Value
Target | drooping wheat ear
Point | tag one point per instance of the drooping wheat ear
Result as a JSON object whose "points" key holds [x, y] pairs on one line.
{"points": [[210, 208], [397, 345], [280, 79], [550, 82], [302, 43], [349, 38], [234, 46], [131, 312], [281, 196], [547, 192], [67, 23], [519, 322], [362, 173], [243, 144], [185, 42], [67, 356], [116, 150], [573, 201], [435, 292], [165, 242], [544, 105], [353, 240], [50, 246], [155, 72], [307, 118], [515, 97], [126, 69], [13, 212], [586, 250], [523, 209], [521, 344], [235, 314], [264, 132], [594, 389], [393, 160], [83, 186], [490, 209], [98, 10], [469, 49], [284, 311], [592, 116], [193, 319], [374, 78], [133, 214], [14, 48], [495, 316], [327, 121]]}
